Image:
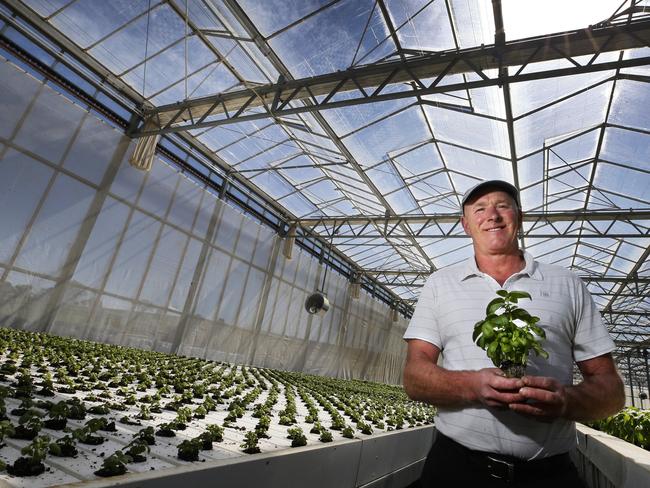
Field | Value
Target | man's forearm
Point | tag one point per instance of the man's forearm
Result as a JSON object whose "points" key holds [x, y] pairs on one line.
{"points": [[596, 397], [429, 383]]}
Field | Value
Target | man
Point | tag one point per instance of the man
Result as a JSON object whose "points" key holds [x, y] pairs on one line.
{"points": [[492, 430]]}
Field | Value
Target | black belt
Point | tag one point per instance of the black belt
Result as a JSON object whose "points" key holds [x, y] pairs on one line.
{"points": [[509, 468]]}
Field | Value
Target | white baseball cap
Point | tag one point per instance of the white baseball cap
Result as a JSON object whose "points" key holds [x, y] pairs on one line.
{"points": [[498, 184]]}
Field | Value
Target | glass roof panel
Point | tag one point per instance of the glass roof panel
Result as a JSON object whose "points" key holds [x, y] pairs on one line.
{"points": [[46, 7], [585, 110], [474, 22], [270, 157], [334, 35], [443, 256], [385, 178], [422, 24], [298, 205], [489, 101], [348, 119], [573, 149], [625, 181], [272, 15], [170, 67], [201, 14], [535, 94], [629, 105], [528, 18], [626, 147], [219, 137], [242, 63], [471, 166], [147, 34], [375, 143], [469, 130], [376, 42], [402, 202], [322, 191], [418, 160], [90, 21]]}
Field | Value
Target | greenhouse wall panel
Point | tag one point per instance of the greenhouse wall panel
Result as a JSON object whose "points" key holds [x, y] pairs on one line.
{"points": [[99, 250]]}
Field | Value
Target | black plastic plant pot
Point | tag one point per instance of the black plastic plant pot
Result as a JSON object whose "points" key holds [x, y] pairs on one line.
{"points": [[261, 434], [22, 432], [165, 433], [77, 415], [112, 471], [190, 454], [66, 450], [56, 424], [24, 466], [206, 444], [137, 458], [93, 440], [23, 392], [109, 427], [148, 438]]}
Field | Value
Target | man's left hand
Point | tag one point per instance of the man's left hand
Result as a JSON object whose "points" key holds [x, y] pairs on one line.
{"points": [[545, 398]]}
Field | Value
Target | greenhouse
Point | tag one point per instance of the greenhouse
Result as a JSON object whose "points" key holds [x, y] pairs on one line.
{"points": [[217, 218]]}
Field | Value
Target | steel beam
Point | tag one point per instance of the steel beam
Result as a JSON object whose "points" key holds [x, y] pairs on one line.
{"points": [[562, 216], [585, 278], [429, 73]]}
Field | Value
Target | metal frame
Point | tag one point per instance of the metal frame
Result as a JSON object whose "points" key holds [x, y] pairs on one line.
{"points": [[391, 256], [489, 63]]}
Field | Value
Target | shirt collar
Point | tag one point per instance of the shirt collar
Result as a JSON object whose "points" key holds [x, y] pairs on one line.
{"points": [[531, 268]]}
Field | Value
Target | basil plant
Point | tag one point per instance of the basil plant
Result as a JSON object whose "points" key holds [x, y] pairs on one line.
{"points": [[507, 333]]}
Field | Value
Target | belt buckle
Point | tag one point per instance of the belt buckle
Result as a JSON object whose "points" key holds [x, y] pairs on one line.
{"points": [[500, 469]]}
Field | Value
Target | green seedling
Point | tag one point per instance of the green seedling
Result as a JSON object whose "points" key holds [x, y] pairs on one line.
{"points": [[507, 333], [250, 444], [113, 465]]}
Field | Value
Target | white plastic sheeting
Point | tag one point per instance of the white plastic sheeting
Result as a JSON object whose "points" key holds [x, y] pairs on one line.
{"points": [[93, 248]]}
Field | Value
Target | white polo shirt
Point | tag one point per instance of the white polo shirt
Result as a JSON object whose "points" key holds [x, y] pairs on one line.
{"points": [[454, 299]]}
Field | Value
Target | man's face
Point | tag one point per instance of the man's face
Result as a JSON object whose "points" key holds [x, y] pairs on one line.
{"points": [[492, 220]]}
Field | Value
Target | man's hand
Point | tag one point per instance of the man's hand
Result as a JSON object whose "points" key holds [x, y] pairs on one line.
{"points": [[425, 381], [598, 395], [493, 389], [542, 397]]}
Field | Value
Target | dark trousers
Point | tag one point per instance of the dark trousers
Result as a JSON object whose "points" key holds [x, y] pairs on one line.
{"points": [[450, 464]]}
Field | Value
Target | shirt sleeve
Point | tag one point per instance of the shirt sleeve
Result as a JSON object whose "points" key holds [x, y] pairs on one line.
{"points": [[591, 337], [424, 323]]}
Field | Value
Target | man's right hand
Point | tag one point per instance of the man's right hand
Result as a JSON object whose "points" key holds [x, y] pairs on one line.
{"points": [[425, 381], [493, 389]]}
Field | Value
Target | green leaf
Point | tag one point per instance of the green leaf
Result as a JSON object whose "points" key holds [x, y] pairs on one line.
{"points": [[488, 330], [477, 330], [494, 305], [521, 314], [502, 293], [515, 295], [55, 449], [539, 331], [500, 320]]}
